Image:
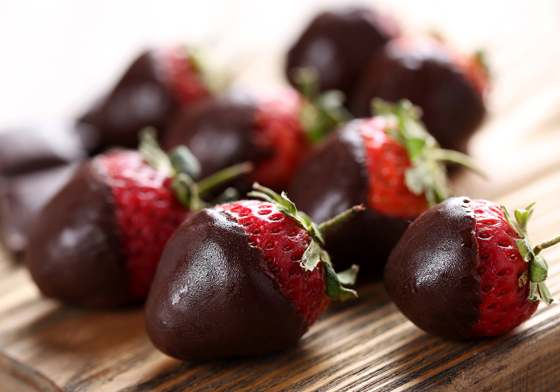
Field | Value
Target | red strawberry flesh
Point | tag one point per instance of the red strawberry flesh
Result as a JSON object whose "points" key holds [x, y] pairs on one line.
{"points": [[505, 303], [185, 80], [387, 162], [283, 242], [278, 129], [147, 214]]}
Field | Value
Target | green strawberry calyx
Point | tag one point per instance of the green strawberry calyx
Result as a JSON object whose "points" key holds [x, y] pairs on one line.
{"points": [[315, 254], [427, 174], [184, 170], [203, 61], [538, 267], [320, 112]]}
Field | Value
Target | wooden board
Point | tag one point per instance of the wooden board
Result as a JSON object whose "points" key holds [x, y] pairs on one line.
{"points": [[360, 345]]}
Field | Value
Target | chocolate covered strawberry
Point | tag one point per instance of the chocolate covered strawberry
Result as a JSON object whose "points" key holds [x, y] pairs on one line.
{"points": [[154, 88], [466, 268], [242, 279], [338, 44], [274, 128], [447, 86], [390, 164], [98, 242]]}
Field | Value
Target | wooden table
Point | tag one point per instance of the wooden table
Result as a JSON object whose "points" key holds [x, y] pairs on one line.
{"points": [[358, 345]]}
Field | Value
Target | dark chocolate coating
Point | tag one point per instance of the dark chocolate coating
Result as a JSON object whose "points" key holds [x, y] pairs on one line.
{"points": [[212, 297], [333, 179], [74, 252], [431, 274], [45, 144], [141, 98], [21, 199], [338, 43], [218, 131], [427, 76]]}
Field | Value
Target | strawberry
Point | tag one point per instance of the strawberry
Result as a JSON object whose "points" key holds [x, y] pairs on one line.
{"points": [[243, 279], [338, 44], [390, 164], [274, 128], [155, 87], [466, 269], [98, 242], [449, 87]]}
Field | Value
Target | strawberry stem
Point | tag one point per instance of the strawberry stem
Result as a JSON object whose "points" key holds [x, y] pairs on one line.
{"points": [[453, 156], [223, 176], [547, 244], [331, 224]]}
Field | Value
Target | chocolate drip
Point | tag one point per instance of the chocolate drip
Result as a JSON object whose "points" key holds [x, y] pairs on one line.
{"points": [[74, 252], [431, 274], [338, 43], [428, 76], [212, 297], [142, 97], [334, 179]]}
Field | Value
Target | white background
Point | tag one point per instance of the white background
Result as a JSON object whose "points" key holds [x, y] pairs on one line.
{"points": [[58, 55]]}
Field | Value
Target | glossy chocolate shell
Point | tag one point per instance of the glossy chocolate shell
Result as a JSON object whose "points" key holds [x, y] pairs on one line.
{"points": [[22, 197], [427, 75], [74, 252], [431, 274], [333, 179], [142, 97], [218, 131], [39, 146], [212, 297], [338, 43]]}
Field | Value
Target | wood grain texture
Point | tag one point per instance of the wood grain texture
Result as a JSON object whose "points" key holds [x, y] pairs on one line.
{"points": [[360, 345]]}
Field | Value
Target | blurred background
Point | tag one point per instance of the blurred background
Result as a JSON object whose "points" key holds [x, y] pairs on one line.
{"points": [[59, 55]]}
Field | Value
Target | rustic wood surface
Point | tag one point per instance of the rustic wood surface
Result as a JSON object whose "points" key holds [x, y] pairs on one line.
{"points": [[359, 345]]}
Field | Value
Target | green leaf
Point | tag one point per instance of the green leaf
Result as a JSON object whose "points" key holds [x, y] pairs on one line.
{"points": [[533, 292], [185, 190], [522, 216], [183, 161], [288, 203], [334, 289], [512, 222], [415, 179], [414, 147], [525, 248], [538, 270], [545, 293], [152, 152], [320, 112], [262, 196], [349, 276], [311, 256], [314, 253], [427, 174]]}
